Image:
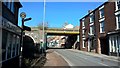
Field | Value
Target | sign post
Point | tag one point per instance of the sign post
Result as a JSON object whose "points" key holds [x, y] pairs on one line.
{"points": [[23, 27]]}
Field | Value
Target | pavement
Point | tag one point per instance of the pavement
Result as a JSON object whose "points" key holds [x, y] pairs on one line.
{"points": [[112, 58], [54, 60]]}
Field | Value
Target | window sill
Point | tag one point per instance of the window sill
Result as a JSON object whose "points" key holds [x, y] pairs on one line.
{"points": [[91, 22], [83, 47], [117, 10], [90, 33], [102, 32], [117, 29], [101, 19]]}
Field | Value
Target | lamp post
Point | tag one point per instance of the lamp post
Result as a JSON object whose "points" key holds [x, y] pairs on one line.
{"points": [[23, 27], [43, 26]]}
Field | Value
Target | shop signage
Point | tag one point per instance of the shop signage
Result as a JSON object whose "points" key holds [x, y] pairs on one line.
{"points": [[10, 26]]}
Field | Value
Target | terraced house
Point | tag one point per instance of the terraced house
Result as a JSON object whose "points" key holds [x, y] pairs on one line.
{"points": [[100, 30]]}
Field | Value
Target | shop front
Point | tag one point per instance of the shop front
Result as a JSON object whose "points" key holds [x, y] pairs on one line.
{"points": [[11, 35], [114, 43]]}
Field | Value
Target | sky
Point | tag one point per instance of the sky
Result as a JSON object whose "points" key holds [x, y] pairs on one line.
{"points": [[57, 13]]}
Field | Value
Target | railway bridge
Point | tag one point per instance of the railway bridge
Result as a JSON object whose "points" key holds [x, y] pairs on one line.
{"points": [[68, 37]]}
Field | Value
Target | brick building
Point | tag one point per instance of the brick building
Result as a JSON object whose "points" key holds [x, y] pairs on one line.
{"points": [[99, 30], [11, 33]]}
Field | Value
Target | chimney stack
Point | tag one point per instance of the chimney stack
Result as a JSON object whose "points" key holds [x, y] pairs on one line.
{"points": [[89, 11]]}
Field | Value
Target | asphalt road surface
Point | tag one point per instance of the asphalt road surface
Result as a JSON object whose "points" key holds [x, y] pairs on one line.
{"points": [[80, 60]]}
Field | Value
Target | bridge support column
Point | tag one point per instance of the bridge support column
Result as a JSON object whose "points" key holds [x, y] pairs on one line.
{"points": [[76, 44]]}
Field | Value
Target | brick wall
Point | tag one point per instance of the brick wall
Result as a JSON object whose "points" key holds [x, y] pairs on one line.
{"points": [[110, 25]]}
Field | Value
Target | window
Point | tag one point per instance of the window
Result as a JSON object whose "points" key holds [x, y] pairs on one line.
{"points": [[102, 13], [114, 43], [9, 46], [9, 4], [83, 43], [4, 43], [13, 45], [118, 5], [119, 43], [5, 2], [18, 45], [83, 31], [102, 27], [12, 6], [118, 23], [83, 23], [91, 29], [91, 18]]}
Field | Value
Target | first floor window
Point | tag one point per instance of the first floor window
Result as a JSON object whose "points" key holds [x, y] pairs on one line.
{"points": [[102, 13], [118, 23], [91, 29], [118, 4], [102, 27], [91, 18], [12, 7], [9, 4]]}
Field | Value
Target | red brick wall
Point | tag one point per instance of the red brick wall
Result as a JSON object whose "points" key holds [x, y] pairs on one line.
{"points": [[110, 25], [86, 33]]}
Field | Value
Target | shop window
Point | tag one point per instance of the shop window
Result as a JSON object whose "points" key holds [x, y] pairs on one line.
{"points": [[14, 45], [17, 45], [4, 43], [114, 44], [9, 45]]}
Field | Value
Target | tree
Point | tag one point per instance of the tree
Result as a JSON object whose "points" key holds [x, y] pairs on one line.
{"points": [[65, 23], [41, 25]]}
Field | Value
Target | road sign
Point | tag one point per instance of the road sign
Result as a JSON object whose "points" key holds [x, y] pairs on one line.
{"points": [[27, 19], [23, 15]]}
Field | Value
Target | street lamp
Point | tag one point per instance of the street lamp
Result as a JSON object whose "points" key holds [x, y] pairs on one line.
{"points": [[43, 26], [23, 28]]}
